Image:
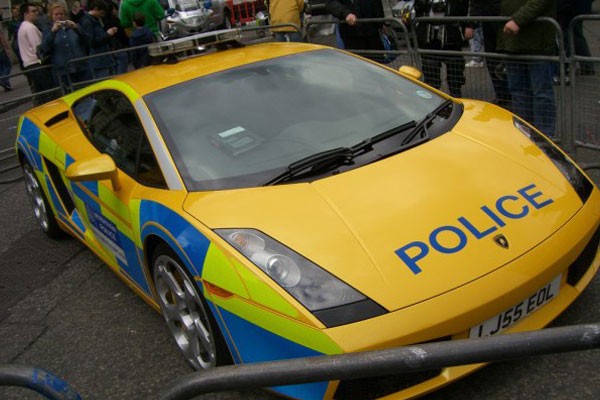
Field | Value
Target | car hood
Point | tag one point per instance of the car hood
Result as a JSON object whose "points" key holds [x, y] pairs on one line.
{"points": [[420, 223]]}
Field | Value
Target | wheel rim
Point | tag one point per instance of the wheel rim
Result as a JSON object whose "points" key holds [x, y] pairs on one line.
{"points": [[37, 198], [184, 313]]}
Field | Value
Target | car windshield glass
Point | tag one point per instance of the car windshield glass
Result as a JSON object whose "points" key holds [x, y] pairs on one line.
{"points": [[244, 126], [187, 5]]}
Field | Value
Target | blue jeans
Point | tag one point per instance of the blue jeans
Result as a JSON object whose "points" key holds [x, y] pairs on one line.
{"points": [[530, 85]]}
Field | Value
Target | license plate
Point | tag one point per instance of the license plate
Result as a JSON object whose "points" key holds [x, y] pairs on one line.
{"points": [[519, 311]]}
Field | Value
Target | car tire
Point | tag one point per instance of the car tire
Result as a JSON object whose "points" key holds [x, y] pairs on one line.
{"points": [[186, 312], [41, 207]]}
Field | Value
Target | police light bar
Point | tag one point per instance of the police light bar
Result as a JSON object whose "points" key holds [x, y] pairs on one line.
{"points": [[175, 46]]}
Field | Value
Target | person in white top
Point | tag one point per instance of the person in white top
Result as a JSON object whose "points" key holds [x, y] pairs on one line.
{"points": [[29, 38]]}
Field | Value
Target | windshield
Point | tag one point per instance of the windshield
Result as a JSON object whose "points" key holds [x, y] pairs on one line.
{"points": [[243, 126], [187, 5]]}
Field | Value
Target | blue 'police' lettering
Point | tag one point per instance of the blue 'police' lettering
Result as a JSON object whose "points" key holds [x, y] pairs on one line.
{"points": [[493, 216], [449, 239], [500, 207], [435, 243], [530, 197], [411, 262], [474, 230]]}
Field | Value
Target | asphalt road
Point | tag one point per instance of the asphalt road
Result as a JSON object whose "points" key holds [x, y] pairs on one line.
{"points": [[62, 310]]}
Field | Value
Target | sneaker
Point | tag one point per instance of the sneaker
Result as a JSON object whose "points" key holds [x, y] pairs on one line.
{"points": [[474, 64]]}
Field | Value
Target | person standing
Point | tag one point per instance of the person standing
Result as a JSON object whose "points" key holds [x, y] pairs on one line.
{"points": [[152, 10], [566, 11], [30, 38], [13, 31], [99, 38], [120, 40], [490, 31], [76, 12], [140, 36], [286, 12], [530, 83], [5, 63], [65, 41], [354, 34], [442, 36]]}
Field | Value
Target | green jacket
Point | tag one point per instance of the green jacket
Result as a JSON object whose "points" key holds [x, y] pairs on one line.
{"points": [[151, 9], [537, 38]]}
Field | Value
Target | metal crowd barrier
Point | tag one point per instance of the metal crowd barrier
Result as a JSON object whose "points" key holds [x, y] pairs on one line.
{"points": [[584, 98], [400, 360], [577, 105], [38, 380], [385, 362]]}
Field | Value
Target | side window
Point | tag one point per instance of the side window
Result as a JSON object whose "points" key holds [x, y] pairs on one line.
{"points": [[111, 124]]}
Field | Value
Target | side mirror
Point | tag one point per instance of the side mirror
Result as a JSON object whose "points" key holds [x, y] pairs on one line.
{"points": [[94, 169], [411, 72]]}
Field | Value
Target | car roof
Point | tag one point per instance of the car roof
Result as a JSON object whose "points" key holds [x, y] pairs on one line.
{"points": [[155, 77]]}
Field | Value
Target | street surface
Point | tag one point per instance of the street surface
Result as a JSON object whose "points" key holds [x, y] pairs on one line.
{"points": [[62, 310]]}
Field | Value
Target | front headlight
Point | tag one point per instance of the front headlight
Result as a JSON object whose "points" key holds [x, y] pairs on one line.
{"points": [[576, 178], [328, 298]]}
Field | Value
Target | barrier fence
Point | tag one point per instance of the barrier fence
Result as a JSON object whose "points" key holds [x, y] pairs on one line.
{"points": [[572, 117], [394, 361]]}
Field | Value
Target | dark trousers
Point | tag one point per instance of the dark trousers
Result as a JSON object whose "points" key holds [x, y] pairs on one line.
{"points": [[495, 67], [41, 80]]}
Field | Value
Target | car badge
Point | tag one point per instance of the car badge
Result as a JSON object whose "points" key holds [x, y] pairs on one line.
{"points": [[501, 241]]}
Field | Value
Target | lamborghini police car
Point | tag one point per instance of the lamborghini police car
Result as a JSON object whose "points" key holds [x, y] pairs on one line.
{"points": [[283, 200]]}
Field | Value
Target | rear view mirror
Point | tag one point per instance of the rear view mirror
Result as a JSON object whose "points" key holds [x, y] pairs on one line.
{"points": [[94, 169]]}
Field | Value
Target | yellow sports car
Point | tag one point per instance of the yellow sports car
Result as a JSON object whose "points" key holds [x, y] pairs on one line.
{"points": [[284, 200]]}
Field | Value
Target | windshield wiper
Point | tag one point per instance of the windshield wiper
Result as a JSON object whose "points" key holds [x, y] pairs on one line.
{"points": [[367, 144], [314, 164], [421, 127], [328, 159]]}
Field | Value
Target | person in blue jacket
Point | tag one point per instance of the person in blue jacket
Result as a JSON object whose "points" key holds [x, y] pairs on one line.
{"points": [[65, 41], [141, 35], [99, 39]]}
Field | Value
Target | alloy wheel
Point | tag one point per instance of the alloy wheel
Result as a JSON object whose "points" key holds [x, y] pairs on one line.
{"points": [[184, 312]]}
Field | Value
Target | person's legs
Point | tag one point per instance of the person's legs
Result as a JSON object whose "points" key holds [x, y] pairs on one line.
{"points": [[476, 44], [432, 66], [5, 68], [41, 80], [519, 86], [455, 70], [544, 104], [495, 66]]}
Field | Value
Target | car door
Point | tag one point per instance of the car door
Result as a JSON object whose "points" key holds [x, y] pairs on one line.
{"points": [[110, 123]]}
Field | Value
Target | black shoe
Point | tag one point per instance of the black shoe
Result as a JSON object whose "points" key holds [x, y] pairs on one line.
{"points": [[7, 88]]}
